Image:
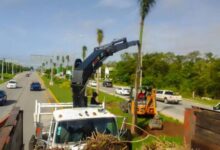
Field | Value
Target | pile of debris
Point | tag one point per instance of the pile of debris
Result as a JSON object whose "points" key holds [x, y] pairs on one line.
{"points": [[104, 142], [162, 145]]}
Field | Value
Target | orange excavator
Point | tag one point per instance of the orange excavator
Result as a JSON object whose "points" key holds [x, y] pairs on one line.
{"points": [[146, 103], [146, 106]]}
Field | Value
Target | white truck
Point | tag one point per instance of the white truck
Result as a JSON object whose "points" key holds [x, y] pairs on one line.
{"points": [[59, 125], [168, 96], [122, 91]]}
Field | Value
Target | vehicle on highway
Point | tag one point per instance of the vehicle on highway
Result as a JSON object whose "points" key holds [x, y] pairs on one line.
{"points": [[107, 83], [122, 91], [12, 84], [217, 107], [168, 96], [27, 75], [93, 83], [35, 86], [3, 97]]}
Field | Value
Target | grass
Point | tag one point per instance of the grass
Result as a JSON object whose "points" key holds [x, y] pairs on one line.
{"points": [[6, 78], [61, 91], [63, 94]]}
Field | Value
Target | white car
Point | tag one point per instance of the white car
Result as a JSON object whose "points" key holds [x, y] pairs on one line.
{"points": [[122, 91], [93, 83], [168, 96], [12, 84]]}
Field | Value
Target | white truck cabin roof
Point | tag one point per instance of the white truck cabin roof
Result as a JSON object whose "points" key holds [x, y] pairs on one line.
{"points": [[81, 113]]}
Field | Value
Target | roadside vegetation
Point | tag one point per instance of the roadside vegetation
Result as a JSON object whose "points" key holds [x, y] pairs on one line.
{"points": [[6, 78], [8, 69], [192, 75], [61, 89]]}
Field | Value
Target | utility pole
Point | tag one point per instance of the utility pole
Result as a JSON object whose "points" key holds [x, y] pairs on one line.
{"points": [[6, 67], [51, 72], [2, 77], [12, 68]]}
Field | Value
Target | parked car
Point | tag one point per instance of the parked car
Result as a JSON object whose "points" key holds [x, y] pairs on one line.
{"points": [[35, 86], [168, 96], [122, 91], [12, 84], [217, 107], [93, 83], [3, 97], [107, 83]]}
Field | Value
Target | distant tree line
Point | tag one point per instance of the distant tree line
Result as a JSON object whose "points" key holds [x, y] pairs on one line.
{"points": [[189, 74], [10, 67]]}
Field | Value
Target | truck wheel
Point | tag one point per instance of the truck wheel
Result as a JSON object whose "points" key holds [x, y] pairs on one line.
{"points": [[165, 100], [32, 143]]}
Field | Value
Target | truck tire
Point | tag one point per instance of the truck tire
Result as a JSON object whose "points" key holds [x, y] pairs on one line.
{"points": [[165, 100], [32, 143]]}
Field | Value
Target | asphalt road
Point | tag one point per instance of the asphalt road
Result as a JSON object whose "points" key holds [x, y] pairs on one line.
{"points": [[25, 99], [173, 110]]}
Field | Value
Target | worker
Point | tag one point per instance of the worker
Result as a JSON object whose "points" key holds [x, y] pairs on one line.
{"points": [[93, 99], [141, 95]]}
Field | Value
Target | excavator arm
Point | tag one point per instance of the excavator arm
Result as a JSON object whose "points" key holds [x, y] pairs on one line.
{"points": [[83, 70]]}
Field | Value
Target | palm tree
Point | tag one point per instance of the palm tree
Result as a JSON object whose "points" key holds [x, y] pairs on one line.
{"points": [[46, 63], [145, 6], [67, 60], [84, 50], [100, 36], [63, 60], [58, 58]]}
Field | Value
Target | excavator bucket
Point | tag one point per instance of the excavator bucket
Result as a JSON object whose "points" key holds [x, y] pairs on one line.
{"points": [[156, 123]]}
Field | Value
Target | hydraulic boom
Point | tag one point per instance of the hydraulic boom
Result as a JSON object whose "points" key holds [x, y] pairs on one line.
{"points": [[83, 70]]}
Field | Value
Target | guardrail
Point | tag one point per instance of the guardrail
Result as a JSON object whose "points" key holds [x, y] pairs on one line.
{"points": [[11, 131]]}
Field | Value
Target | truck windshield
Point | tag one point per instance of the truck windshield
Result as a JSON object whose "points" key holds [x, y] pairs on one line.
{"points": [[79, 130]]}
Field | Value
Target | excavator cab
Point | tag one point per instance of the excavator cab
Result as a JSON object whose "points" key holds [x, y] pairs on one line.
{"points": [[146, 102]]}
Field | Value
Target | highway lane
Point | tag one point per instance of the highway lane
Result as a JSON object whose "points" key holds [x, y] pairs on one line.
{"points": [[24, 98], [173, 110]]}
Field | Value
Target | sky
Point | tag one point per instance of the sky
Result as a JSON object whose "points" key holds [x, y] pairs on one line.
{"points": [[60, 27]]}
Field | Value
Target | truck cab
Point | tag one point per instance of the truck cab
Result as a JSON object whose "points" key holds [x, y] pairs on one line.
{"points": [[168, 96], [74, 126], [67, 127]]}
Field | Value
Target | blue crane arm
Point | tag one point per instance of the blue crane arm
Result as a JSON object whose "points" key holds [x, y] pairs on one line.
{"points": [[84, 69]]}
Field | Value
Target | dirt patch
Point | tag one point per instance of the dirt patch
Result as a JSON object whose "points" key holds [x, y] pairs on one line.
{"points": [[169, 129]]}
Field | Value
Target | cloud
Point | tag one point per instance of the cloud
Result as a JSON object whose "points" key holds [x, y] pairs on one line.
{"points": [[166, 38], [121, 4]]}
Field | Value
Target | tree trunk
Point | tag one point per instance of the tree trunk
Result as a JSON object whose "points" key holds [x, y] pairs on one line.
{"points": [[140, 49], [137, 85]]}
